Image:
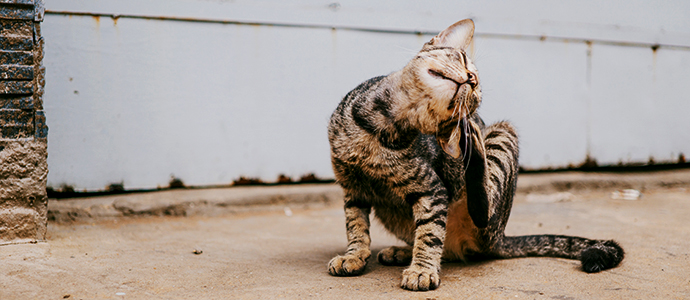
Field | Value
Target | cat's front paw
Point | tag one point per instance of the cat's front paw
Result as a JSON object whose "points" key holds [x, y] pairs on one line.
{"points": [[420, 279], [347, 265]]}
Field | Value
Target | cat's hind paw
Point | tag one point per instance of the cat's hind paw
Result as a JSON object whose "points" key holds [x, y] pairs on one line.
{"points": [[601, 256], [416, 278], [347, 265], [395, 256]]}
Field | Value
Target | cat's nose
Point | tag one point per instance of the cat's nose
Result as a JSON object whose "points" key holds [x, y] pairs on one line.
{"points": [[472, 79]]}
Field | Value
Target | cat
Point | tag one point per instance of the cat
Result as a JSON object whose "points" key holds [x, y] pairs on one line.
{"points": [[411, 146]]}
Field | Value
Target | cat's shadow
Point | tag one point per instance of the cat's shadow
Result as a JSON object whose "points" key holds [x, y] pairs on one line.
{"points": [[318, 258], [471, 268]]}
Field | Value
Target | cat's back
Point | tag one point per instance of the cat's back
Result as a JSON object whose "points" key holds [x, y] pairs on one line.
{"points": [[347, 135], [342, 116]]}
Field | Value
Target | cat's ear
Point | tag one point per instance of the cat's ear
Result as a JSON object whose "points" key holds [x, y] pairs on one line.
{"points": [[451, 144], [458, 35]]}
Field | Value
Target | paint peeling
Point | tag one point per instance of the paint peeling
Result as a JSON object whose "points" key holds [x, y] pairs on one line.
{"points": [[654, 59], [334, 7], [176, 183], [282, 179], [247, 181], [117, 187], [590, 165]]}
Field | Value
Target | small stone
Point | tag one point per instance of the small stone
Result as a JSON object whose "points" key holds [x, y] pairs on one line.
{"points": [[197, 251], [627, 194]]}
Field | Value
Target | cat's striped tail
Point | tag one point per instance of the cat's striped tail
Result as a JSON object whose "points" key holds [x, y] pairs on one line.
{"points": [[595, 255]]}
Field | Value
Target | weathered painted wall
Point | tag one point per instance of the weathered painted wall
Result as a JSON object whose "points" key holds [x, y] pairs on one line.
{"points": [[212, 90]]}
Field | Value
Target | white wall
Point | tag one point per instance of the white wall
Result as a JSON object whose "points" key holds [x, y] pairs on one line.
{"points": [[190, 88]]}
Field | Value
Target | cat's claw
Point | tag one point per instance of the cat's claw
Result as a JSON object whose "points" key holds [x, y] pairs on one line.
{"points": [[420, 279], [347, 265]]}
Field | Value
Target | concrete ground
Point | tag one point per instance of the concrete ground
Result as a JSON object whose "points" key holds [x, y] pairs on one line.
{"points": [[275, 242]]}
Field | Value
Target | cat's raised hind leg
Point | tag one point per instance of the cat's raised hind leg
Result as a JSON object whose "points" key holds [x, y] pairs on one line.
{"points": [[500, 177], [491, 175], [357, 224]]}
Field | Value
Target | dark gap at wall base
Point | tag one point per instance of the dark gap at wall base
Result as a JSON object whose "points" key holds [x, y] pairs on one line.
{"points": [[67, 192], [630, 168]]}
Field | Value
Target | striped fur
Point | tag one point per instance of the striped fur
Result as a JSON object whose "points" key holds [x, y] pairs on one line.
{"points": [[411, 146]]}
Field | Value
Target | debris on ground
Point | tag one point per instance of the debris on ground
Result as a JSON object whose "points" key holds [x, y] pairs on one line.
{"points": [[626, 194]]}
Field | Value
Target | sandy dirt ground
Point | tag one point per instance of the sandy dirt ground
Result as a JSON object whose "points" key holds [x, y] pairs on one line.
{"points": [[282, 253]]}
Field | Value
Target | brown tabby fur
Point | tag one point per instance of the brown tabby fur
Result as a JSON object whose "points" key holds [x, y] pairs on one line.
{"points": [[411, 146]]}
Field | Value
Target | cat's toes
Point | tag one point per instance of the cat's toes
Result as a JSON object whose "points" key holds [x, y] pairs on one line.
{"points": [[420, 279], [395, 256], [347, 265], [601, 256]]}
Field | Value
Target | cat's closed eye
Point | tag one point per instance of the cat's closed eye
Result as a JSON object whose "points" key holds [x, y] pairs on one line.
{"points": [[439, 75]]}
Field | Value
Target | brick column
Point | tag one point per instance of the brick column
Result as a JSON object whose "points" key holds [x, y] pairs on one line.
{"points": [[23, 133]]}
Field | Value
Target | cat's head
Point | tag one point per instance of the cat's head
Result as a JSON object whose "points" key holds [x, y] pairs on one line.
{"points": [[442, 85]]}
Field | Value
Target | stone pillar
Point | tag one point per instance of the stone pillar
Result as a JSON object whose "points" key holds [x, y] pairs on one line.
{"points": [[23, 133]]}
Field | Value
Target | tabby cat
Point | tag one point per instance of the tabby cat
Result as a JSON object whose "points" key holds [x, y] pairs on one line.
{"points": [[411, 146]]}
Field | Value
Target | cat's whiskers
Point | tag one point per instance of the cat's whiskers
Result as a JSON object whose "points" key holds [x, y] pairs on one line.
{"points": [[456, 110], [408, 50], [461, 110], [436, 60], [467, 140]]}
